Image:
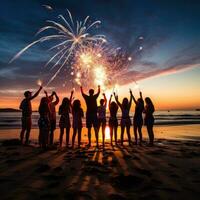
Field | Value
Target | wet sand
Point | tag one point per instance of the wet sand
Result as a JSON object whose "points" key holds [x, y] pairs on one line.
{"points": [[169, 170]]}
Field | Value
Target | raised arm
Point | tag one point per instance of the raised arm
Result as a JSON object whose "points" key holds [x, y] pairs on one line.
{"points": [[46, 94], [105, 99], [130, 101], [110, 100], [83, 94], [117, 100], [133, 98], [57, 98], [36, 94], [141, 95], [99, 90], [71, 98]]}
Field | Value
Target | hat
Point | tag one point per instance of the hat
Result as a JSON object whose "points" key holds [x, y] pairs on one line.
{"points": [[26, 93]]}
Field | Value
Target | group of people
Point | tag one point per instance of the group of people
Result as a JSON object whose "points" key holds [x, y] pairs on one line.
{"points": [[95, 117]]}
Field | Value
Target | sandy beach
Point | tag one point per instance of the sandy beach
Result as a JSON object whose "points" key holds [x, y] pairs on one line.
{"points": [[169, 170]]}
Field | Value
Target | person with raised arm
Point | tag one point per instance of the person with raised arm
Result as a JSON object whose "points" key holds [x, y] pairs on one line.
{"points": [[44, 121], [26, 108], [113, 122], [91, 113], [52, 117], [101, 111], [137, 119], [78, 114], [64, 123], [125, 120], [149, 119]]}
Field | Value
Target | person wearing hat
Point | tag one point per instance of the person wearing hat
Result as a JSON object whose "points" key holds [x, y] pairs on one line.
{"points": [[26, 108]]}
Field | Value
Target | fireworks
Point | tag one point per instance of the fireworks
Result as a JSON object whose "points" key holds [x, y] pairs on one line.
{"points": [[87, 58], [70, 36]]}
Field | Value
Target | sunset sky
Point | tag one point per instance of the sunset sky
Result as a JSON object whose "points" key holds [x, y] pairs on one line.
{"points": [[167, 68]]}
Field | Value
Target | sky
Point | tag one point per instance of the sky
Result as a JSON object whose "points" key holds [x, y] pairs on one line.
{"points": [[167, 68]]}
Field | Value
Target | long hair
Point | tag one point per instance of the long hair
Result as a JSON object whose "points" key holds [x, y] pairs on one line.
{"points": [[65, 105], [125, 103], [76, 105], [43, 107], [149, 104], [113, 107]]}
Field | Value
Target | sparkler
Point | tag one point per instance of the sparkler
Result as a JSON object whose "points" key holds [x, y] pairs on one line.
{"points": [[39, 82]]}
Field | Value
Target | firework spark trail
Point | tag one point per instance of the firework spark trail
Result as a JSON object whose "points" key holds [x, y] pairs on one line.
{"points": [[73, 36]]}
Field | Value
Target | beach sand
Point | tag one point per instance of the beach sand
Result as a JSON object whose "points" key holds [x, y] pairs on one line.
{"points": [[169, 170]]}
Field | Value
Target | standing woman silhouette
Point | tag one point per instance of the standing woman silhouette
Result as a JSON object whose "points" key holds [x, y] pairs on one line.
{"points": [[64, 123], [138, 120], [125, 121], [113, 122], [149, 119]]}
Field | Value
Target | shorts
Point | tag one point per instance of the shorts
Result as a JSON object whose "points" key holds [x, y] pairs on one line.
{"points": [[137, 121], [26, 122], [102, 122], [52, 124], [149, 121], [64, 122], [91, 120], [126, 121], [113, 122]]}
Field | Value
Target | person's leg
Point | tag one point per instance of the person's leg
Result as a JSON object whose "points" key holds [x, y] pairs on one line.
{"points": [[135, 133], [115, 132], [150, 133], [79, 137], [96, 135], [111, 135], [61, 136], [103, 133], [67, 135], [122, 134], [47, 136], [28, 130], [74, 136], [140, 133], [128, 133], [22, 135], [42, 138], [51, 137], [89, 136]]}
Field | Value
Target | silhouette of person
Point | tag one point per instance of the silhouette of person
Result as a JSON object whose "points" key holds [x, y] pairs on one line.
{"points": [[149, 119], [44, 122], [26, 108], [77, 113], [52, 117], [113, 122], [64, 123], [137, 119], [101, 111], [91, 113], [125, 120]]}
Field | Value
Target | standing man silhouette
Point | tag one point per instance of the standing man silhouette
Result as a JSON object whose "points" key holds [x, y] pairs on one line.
{"points": [[91, 113], [26, 108]]}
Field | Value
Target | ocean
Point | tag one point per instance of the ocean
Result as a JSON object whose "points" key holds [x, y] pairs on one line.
{"points": [[181, 125], [175, 117]]}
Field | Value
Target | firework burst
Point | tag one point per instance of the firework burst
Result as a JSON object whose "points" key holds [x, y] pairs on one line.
{"points": [[70, 36]]}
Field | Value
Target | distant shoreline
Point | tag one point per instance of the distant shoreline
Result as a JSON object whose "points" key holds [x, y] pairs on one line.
{"points": [[9, 110]]}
